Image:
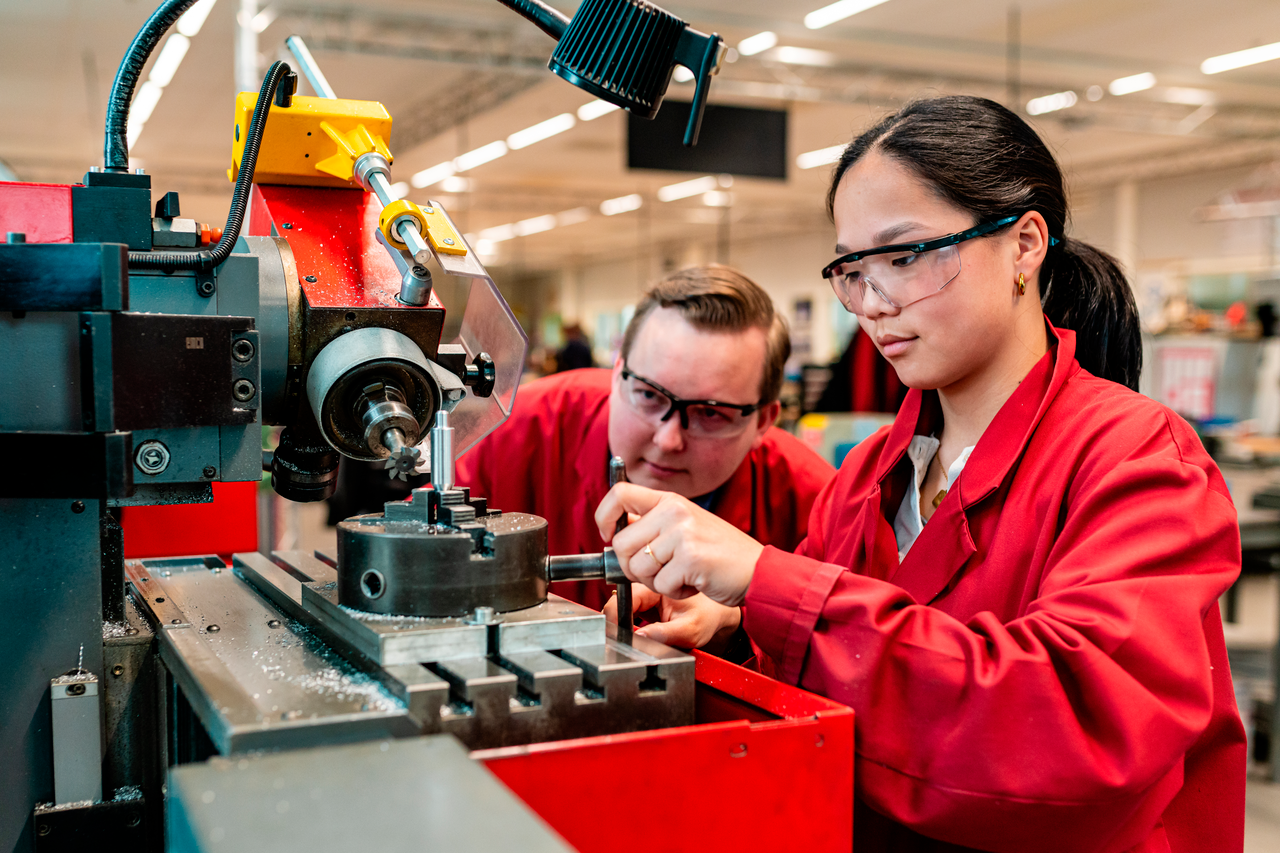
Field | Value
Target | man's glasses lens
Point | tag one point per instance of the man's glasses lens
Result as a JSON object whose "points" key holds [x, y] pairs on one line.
{"points": [[697, 418]]}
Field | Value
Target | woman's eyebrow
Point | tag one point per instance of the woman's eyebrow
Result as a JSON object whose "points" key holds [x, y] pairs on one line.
{"points": [[885, 237]]}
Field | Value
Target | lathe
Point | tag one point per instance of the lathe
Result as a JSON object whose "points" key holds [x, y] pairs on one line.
{"points": [[375, 695]]}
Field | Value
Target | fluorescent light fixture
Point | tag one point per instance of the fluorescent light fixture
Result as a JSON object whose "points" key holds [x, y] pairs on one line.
{"points": [[1094, 93], [263, 19], [540, 131], [1188, 96], [1051, 103], [166, 64], [621, 204], [488, 248], [480, 156], [1134, 83], [592, 110], [399, 189], [717, 198], [573, 217], [731, 55], [758, 43], [193, 19], [820, 18], [821, 157], [1241, 58], [535, 225], [455, 184], [498, 233], [802, 56], [685, 189], [434, 175], [682, 74]]}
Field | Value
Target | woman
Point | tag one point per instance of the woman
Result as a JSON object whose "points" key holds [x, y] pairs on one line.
{"points": [[1015, 584]]}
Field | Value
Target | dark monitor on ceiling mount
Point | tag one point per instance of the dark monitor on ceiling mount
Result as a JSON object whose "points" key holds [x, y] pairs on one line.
{"points": [[742, 141]]}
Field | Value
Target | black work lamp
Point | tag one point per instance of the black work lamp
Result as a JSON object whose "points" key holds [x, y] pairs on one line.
{"points": [[624, 51]]}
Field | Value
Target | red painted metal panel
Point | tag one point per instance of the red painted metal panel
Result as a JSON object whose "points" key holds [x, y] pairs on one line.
{"points": [[332, 234], [227, 525], [41, 211], [767, 767]]}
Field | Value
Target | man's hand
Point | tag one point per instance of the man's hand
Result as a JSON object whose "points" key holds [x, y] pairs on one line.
{"points": [[675, 547], [688, 623]]}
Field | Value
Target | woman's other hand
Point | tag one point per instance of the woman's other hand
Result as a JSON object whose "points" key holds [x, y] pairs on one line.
{"points": [[695, 622], [675, 547]]}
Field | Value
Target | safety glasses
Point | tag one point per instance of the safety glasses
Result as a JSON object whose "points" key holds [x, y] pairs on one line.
{"points": [[705, 418], [905, 272]]}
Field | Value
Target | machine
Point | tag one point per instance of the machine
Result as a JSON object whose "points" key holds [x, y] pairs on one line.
{"points": [[145, 352]]}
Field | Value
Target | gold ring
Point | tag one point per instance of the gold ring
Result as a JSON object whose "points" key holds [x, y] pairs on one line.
{"points": [[649, 551]]}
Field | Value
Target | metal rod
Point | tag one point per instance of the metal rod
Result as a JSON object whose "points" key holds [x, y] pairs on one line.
{"points": [[442, 452], [309, 68], [405, 226], [626, 626]]}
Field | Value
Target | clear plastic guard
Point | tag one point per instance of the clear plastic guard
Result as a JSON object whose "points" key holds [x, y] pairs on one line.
{"points": [[488, 326]]}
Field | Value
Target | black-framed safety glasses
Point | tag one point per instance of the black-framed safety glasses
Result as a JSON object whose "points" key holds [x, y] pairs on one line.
{"points": [[710, 418], [903, 273]]}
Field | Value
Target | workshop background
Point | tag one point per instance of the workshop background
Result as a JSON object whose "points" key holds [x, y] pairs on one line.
{"points": [[1170, 138]]}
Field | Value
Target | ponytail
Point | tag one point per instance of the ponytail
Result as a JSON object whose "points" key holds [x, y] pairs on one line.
{"points": [[1085, 290], [986, 160]]}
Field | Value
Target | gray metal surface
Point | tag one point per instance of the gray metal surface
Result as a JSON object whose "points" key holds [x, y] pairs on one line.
{"points": [[279, 300], [77, 737], [40, 383], [51, 607], [254, 679], [417, 794]]}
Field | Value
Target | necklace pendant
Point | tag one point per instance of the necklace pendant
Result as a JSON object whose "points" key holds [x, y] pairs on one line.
{"points": [[937, 499]]}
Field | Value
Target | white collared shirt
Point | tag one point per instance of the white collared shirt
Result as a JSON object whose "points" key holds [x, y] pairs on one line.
{"points": [[908, 523]]}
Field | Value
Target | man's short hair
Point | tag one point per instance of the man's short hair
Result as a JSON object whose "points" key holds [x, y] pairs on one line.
{"points": [[720, 299]]}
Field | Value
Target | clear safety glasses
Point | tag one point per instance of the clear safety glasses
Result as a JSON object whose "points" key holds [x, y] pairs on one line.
{"points": [[703, 418], [905, 272]]}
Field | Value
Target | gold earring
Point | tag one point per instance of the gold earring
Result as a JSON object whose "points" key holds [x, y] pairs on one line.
{"points": [[1022, 284]]}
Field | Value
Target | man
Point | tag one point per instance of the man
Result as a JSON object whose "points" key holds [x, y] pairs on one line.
{"points": [[702, 335]]}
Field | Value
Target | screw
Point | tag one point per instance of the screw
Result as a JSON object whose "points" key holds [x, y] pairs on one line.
{"points": [[213, 629], [311, 278], [131, 631], [288, 226], [75, 689], [428, 210], [77, 507], [117, 670], [159, 601], [205, 288], [420, 272], [448, 241], [483, 615], [351, 315], [175, 621], [242, 350], [273, 623], [243, 390], [152, 457], [133, 821], [209, 472], [44, 829]]}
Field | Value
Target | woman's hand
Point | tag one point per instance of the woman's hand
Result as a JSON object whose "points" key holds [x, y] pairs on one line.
{"points": [[689, 623], [690, 550]]}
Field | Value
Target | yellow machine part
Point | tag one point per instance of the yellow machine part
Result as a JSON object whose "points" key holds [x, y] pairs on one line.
{"points": [[431, 222], [313, 142]]}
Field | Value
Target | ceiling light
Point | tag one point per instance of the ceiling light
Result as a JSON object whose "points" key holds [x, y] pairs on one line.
{"points": [[540, 131], [498, 233], [455, 184], [1241, 58], [535, 225], [166, 64], [1093, 93], [594, 109], [757, 43], [821, 157], [1135, 83], [1051, 103], [263, 19], [802, 56], [731, 55], [682, 74], [480, 156], [144, 103], [820, 18], [193, 19], [622, 204], [573, 217], [685, 189], [485, 247], [1188, 96], [399, 189], [717, 198], [434, 175]]}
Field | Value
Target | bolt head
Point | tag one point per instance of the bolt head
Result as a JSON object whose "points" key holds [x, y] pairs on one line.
{"points": [[205, 288], [243, 390], [152, 457], [242, 350], [77, 507], [311, 278], [209, 472], [448, 241]]}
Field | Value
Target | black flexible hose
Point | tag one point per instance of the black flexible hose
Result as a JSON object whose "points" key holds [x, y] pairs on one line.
{"points": [[553, 22], [115, 148], [206, 259]]}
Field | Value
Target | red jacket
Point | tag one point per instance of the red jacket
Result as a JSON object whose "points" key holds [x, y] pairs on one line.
{"points": [[1045, 671], [551, 458]]}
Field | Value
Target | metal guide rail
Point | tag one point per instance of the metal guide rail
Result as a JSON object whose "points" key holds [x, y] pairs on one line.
{"points": [[269, 659]]}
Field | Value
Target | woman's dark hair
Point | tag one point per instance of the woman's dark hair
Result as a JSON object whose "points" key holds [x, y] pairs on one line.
{"points": [[985, 159]]}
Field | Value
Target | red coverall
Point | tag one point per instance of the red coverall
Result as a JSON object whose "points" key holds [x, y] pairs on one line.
{"points": [[551, 458], [1045, 671]]}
